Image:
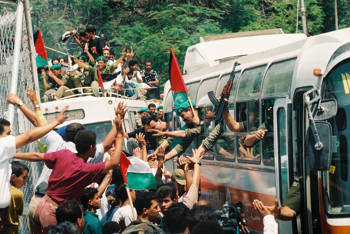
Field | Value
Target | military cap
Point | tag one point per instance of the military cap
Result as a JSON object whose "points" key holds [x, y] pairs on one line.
{"points": [[101, 58], [143, 109], [56, 67]]}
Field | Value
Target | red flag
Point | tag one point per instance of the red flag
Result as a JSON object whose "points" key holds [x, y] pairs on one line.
{"points": [[124, 164], [39, 45], [176, 80], [100, 82]]}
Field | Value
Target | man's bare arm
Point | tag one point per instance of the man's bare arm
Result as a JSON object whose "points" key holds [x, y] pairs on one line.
{"points": [[176, 134], [31, 156]]}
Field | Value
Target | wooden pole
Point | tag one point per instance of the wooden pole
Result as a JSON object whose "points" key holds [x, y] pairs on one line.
{"points": [[131, 203]]}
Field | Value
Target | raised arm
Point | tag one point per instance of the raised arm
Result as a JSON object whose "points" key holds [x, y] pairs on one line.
{"points": [[142, 142], [232, 124], [81, 64], [105, 182], [252, 138], [176, 134], [38, 132], [196, 159], [55, 78], [118, 121], [31, 115]]}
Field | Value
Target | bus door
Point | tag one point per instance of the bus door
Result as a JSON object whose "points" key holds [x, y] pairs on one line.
{"points": [[282, 173]]}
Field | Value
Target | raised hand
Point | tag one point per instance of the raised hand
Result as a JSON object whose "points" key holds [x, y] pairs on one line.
{"points": [[196, 157], [260, 134], [140, 137], [13, 99], [32, 97], [62, 117], [156, 132]]}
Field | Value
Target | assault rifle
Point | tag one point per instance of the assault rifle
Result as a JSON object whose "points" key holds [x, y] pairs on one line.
{"points": [[219, 105]]}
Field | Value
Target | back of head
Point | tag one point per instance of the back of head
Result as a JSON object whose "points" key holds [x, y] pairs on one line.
{"points": [[68, 211], [202, 213], [146, 120], [177, 218], [83, 140], [88, 194], [110, 228], [18, 168], [120, 193], [3, 122], [133, 63], [207, 227], [63, 228], [166, 190], [72, 130], [90, 29], [143, 200], [117, 177]]}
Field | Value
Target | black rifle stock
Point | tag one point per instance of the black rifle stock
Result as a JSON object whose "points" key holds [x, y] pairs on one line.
{"points": [[219, 105]]}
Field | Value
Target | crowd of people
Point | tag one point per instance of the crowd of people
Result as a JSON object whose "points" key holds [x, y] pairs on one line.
{"points": [[97, 65]]}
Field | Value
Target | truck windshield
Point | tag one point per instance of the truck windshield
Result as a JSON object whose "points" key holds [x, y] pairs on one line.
{"points": [[101, 129], [336, 181]]}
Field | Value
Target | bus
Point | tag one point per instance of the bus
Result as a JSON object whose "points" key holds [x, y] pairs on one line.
{"points": [[95, 113], [299, 93]]}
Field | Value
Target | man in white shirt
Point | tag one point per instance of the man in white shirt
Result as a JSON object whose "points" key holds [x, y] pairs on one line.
{"points": [[8, 146]]}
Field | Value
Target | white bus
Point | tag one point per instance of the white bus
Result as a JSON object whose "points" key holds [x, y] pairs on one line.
{"points": [[300, 92]]}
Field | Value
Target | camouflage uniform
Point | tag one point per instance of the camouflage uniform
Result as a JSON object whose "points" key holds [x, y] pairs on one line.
{"points": [[55, 91], [180, 145], [145, 227], [80, 78]]}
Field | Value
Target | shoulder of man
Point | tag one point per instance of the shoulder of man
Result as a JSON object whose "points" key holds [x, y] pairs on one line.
{"points": [[145, 227]]}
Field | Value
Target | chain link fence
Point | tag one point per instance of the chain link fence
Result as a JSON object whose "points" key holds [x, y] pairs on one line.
{"points": [[19, 123]]}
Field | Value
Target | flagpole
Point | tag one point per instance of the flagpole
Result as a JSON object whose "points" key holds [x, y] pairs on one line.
{"points": [[195, 115], [131, 203]]}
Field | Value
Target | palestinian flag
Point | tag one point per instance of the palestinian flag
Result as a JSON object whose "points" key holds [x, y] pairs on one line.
{"points": [[177, 84], [136, 173], [41, 56], [100, 80]]}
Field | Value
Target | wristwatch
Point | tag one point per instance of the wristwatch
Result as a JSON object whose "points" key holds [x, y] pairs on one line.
{"points": [[20, 104]]}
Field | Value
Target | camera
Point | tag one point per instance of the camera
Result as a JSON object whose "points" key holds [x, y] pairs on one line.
{"points": [[231, 218]]}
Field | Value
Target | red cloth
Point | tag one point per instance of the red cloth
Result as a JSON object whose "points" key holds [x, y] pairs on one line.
{"points": [[177, 82], [70, 175], [39, 45]]}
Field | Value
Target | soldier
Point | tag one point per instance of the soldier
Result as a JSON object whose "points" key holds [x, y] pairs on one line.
{"points": [[55, 85], [141, 112]]}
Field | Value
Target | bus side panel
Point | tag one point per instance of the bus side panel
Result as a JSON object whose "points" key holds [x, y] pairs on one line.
{"points": [[220, 183]]}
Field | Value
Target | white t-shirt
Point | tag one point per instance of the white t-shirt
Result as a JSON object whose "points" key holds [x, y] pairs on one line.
{"points": [[55, 142], [125, 213], [7, 152]]}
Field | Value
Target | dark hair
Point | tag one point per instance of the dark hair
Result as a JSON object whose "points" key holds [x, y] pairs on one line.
{"points": [[3, 122], [110, 227], [133, 63], [88, 194], [202, 213], [146, 120], [152, 105], [117, 177], [83, 140], [18, 168], [90, 29], [207, 227], [82, 34], [62, 228], [68, 211], [165, 190], [143, 200], [120, 193], [177, 218], [72, 130], [111, 53]]}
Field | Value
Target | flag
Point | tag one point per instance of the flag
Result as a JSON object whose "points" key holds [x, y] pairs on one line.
{"points": [[41, 56], [177, 84], [137, 174], [100, 81]]}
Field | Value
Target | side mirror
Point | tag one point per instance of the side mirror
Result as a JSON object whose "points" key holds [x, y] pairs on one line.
{"points": [[320, 159], [326, 110]]}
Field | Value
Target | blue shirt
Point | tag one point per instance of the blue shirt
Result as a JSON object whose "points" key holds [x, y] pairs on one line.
{"points": [[92, 223]]}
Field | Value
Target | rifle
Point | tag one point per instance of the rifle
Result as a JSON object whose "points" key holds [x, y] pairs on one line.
{"points": [[219, 105]]}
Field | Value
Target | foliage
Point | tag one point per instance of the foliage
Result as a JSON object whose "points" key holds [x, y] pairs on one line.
{"points": [[152, 26]]}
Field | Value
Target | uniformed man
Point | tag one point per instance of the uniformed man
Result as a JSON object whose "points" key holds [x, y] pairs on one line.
{"points": [[81, 77], [140, 113], [55, 85], [160, 112]]}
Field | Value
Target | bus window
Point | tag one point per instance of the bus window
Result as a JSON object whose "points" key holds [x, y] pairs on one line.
{"points": [[168, 102], [250, 83], [267, 125], [101, 130], [169, 119], [207, 86], [73, 114], [336, 181], [278, 78], [192, 90], [223, 82], [225, 145], [249, 149]]}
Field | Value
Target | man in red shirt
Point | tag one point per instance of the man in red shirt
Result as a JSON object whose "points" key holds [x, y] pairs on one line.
{"points": [[71, 173]]}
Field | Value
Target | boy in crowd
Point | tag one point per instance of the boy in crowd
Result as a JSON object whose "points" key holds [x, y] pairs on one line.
{"points": [[91, 202], [15, 209]]}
